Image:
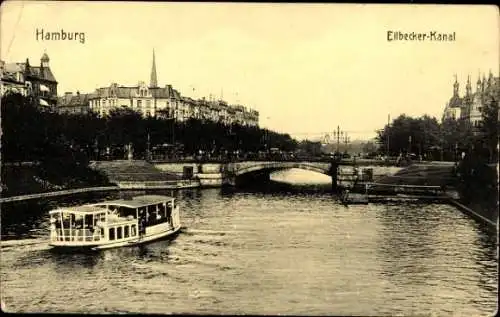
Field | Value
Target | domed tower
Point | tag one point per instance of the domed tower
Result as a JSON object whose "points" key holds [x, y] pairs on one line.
{"points": [[44, 61]]}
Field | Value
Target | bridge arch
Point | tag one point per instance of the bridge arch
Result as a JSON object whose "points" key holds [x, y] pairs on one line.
{"points": [[314, 167]]}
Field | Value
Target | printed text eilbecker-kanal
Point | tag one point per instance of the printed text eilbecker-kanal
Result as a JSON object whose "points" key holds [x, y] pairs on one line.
{"points": [[416, 36]]}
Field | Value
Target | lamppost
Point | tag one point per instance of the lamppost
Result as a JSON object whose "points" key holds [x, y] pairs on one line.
{"points": [[266, 136], [409, 145], [339, 135], [148, 150], [347, 139], [388, 132]]}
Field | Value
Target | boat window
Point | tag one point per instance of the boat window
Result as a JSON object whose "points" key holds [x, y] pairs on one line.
{"points": [[77, 221], [119, 233], [111, 233], [142, 213], [151, 212], [125, 212], [89, 219], [125, 231], [133, 230], [99, 218], [161, 209], [151, 209], [57, 222]]}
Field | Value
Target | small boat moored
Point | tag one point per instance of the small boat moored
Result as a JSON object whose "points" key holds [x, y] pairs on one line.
{"points": [[114, 223]]}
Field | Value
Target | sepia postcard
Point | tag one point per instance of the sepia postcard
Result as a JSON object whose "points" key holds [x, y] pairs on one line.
{"points": [[249, 158]]}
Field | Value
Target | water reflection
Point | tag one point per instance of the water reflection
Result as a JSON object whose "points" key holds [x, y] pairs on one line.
{"points": [[242, 251], [67, 262], [487, 269], [404, 237], [300, 177], [432, 247]]}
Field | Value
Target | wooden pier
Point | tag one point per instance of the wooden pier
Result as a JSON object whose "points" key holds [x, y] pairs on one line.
{"points": [[364, 193]]}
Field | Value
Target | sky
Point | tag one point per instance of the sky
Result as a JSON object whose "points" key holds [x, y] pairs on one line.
{"points": [[307, 68]]}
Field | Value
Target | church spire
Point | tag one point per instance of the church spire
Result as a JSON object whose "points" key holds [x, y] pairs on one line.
{"points": [[455, 86], [154, 81], [468, 88]]}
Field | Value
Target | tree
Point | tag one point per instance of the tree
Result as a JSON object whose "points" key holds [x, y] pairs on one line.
{"points": [[125, 126], [310, 147], [407, 134], [489, 125], [456, 137], [369, 147]]}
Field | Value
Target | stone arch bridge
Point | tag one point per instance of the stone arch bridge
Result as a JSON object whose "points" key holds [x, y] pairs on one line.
{"points": [[240, 168], [227, 173], [259, 170]]}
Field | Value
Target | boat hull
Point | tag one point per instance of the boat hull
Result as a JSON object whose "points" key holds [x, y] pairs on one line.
{"points": [[141, 240], [172, 233]]}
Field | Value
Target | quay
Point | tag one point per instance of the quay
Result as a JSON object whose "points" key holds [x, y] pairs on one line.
{"points": [[122, 186], [473, 214], [58, 193]]}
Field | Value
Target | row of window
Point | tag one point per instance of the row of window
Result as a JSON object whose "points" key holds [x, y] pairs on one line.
{"points": [[122, 232]]}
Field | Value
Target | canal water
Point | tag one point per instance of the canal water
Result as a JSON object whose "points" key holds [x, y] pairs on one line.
{"points": [[263, 252]]}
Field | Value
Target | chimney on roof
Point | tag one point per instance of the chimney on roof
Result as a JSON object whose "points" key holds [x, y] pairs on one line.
{"points": [[78, 93]]}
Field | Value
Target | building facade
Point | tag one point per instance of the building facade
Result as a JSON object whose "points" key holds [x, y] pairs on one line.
{"points": [[167, 102], [36, 81], [12, 81], [470, 106], [74, 103]]}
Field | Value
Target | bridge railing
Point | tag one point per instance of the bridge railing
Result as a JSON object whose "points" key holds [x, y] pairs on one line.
{"points": [[274, 159]]}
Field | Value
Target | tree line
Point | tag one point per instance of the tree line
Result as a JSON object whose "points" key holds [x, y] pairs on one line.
{"points": [[31, 134], [445, 140]]}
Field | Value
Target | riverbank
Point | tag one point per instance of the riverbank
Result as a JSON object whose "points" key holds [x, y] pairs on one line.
{"points": [[472, 212], [481, 206], [36, 178], [34, 181]]}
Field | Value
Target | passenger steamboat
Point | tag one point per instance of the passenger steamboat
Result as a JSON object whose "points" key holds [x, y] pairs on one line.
{"points": [[114, 223]]}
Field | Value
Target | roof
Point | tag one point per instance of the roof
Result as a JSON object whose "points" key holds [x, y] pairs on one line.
{"points": [[42, 72], [13, 67], [136, 202], [455, 101], [34, 71], [84, 209], [74, 100], [128, 92]]}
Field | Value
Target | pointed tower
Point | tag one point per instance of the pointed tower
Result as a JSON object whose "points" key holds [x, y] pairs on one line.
{"points": [[154, 81], [468, 88], [478, 83], [490, 79], [455, 87]]}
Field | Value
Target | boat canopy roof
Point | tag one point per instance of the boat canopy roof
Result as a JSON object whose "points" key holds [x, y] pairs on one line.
{"points": [[84, 209], [136, 202]]}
